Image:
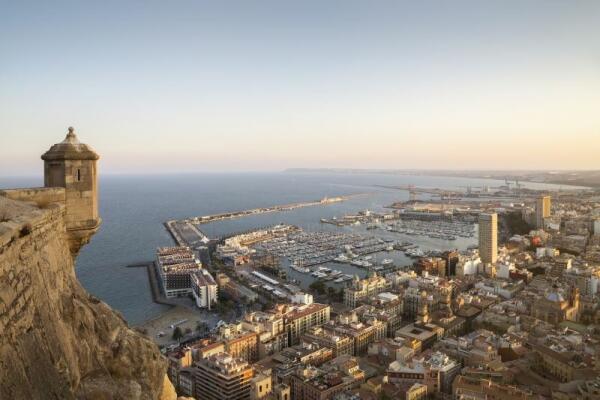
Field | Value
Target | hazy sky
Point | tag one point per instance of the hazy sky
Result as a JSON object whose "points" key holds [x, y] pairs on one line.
{"points": [[266, 85]]}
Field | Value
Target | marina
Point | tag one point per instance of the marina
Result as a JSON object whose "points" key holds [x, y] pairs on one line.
{"points": [[353, 244], [433, 229], [333, 257], [409, 223], [305, 249]]}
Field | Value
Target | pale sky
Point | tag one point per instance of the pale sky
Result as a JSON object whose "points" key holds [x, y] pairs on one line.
{"points": [[166, 86]]}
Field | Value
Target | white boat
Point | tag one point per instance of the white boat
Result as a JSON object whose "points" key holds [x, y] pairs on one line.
{"points": [[341, 259], [387, 261], [415, 252], [300, 269]]}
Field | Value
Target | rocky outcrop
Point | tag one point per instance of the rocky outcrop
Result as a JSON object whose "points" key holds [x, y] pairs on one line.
{"points": [[56, 340]]}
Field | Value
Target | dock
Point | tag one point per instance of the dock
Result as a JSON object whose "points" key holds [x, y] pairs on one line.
{"points": [[443, 194], [263, 210], [186, 232], [157, 295]]}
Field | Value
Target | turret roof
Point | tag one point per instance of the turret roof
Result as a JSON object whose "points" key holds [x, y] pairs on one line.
{"points": [[70, 149]]}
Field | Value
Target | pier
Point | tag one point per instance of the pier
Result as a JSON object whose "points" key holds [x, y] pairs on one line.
{"points": [[157, 295], [263, 210], [185, 232], [443, 194]]}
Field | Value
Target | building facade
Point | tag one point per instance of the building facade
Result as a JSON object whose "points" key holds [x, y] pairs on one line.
{"points": [[222, 376], [339, 344], [204, 289], [174, 266], [362, 289], [300, 319], [553, 308], [436, 372]]}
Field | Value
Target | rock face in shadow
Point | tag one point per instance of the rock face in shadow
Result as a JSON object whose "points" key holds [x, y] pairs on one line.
{"points": [[56, 340]]}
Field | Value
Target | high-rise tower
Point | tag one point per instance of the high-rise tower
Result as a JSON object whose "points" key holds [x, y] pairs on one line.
{"points": [[542, 210], [72, 165], [488, 238]]}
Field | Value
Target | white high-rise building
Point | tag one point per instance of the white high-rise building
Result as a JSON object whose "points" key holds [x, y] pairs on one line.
{"points": [[204, 289]]}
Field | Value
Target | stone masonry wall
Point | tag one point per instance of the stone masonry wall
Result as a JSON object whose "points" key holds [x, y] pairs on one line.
{"points": [[41, 197], [81, 200], [56, 340]]}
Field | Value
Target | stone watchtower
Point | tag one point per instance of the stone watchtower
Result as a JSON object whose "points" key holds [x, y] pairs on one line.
{"points": [[72, 165]]}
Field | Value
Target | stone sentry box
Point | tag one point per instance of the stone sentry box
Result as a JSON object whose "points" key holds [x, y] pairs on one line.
{"points": [[72, 165], [70, 178]]}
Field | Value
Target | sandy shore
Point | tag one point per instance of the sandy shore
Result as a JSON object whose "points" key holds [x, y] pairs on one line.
{"points": [[162, 323]]}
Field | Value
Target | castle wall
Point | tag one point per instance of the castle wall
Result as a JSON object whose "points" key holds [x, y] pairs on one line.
{"points": [[77, 205], [40, 196]]}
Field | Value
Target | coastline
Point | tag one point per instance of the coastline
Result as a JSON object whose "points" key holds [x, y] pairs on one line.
{"points": [[590, 179]]}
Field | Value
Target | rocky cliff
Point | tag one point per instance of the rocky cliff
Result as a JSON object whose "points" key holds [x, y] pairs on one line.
{"points": [[56, 340]]}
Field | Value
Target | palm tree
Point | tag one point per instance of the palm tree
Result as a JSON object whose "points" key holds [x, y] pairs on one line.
{"points": [[177, 334], [201, 327]]}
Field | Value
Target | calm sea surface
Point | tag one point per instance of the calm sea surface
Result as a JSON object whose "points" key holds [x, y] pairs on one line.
{"points": [[133, 209]]}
